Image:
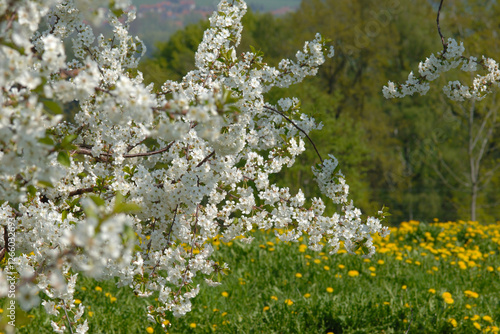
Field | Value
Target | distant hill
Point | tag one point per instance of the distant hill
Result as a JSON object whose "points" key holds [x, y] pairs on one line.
{"points": [[158, 20], [257, 5]]}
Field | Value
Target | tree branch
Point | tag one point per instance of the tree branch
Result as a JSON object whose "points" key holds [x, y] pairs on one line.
{"points": [[439, 28], [298, 128]]}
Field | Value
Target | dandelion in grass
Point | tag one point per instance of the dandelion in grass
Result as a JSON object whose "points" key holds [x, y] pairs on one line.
{"points": [[298, 275], [341, 266], [317, 261], [225, 294], [433, 291], [487, 318], [471, 294], [224, 314], [192, 325], [477, 325], [446, 295], [353, 273], [307, 295], [329, 290], [404, 287], [490, 269], [380, 262], [150, 330], [266, 308], [98, 288], [453, 322], [289, 302], [274, 298], [467, 306], [326, 268], [78, 301]]}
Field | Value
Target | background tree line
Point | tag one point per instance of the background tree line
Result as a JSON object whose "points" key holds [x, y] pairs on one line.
{"points": [[423, 157]]}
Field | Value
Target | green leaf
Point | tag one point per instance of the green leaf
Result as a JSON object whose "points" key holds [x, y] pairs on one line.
{"points": [[64, 159], [97, 200], [64, 215], [32, 190], [45, 184], [127, 208], [46, 140], [68, 140], [52, 107]]}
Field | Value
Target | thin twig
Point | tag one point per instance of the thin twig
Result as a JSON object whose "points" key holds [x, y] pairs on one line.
{"points": [[206, 159], [67, 317], [298, 128], [439, 28]]}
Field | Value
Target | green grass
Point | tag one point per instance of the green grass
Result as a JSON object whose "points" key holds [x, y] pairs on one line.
{"points": [[263, 284]]}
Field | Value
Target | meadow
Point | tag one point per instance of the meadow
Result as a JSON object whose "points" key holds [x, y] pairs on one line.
{"points": [[442, 277]]}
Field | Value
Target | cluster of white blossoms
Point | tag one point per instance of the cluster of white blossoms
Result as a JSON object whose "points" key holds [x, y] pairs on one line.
{"points": [[451, 57], [139, 183]]}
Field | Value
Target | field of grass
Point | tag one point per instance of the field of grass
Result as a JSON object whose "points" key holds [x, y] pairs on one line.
{"points": [[425, 278]]}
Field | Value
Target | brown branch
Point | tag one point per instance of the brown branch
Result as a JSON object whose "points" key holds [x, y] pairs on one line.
{"points": [[206, 159], [84, 191], [105, 156], [298, 128], [439, 27]]}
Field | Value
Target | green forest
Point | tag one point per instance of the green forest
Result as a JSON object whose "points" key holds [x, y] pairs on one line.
{"points": [[424, 157]]}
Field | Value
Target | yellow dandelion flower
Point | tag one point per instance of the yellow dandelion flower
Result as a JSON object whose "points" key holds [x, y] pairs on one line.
{"points": [[150, 330], [112, 299], [307, 295], [78, 301], [372, 269], [404, 287], [467, 306], [471, 294], [274, 298], [224, 314], [490, 269], [475, 317], [478, 326], [192, 325], [449, 300], [98, 288], [266, 308], [341, 266], [380, 262], [453, 322], [91, 314], [387, 303], [298, 275], [326, 268], [487, 318], [317, 261], [329, 289], [446, 295], [289, 302], [353, 273], [225, 294]]}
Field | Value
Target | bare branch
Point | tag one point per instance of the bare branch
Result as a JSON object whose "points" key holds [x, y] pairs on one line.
{"points": [[439, 27]]}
